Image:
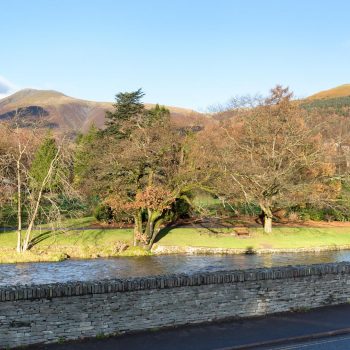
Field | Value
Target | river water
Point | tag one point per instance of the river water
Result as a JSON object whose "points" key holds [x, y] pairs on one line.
{"points": [[97, 269]]}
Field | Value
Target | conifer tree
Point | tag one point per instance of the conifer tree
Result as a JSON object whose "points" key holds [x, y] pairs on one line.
{"points": [[128, 112], [42, 162]]}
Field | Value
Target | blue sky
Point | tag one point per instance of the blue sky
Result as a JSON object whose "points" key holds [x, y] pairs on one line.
{"points": [[189, 53]]}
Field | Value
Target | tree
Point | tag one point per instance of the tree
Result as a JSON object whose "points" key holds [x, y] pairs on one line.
{"points": [[270, 157], [41, 163], [42, 183], [141, 172], [86, 144], [36, 175], [128, 112], [8, 170], [158, 115], [148, 178]]}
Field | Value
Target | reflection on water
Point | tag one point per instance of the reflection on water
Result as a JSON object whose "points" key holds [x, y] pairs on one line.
{"points": [[87, 270]]}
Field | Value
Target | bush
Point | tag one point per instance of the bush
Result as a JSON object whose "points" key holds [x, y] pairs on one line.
{"points": [[321, 214], [337, 214], [293, 216], [181, 209], [68, 205], [103, 213]]}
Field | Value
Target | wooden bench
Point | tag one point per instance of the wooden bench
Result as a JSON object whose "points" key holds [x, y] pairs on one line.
{"points": [[241, 231]]}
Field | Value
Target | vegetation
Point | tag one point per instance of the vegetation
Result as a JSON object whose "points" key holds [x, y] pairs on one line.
{"points": [[282, 238], [272, 158], [35, 178], [141, 165], [74, 242]]}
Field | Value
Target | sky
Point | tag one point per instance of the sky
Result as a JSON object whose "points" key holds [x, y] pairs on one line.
{"points": [[186, 53]]}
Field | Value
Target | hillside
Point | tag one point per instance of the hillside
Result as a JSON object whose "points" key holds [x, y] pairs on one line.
{"points": [[330, 102], [67, 114], [339, 91]]}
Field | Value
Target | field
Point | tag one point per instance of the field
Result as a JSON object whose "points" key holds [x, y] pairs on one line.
{"points": [[78, 239]]}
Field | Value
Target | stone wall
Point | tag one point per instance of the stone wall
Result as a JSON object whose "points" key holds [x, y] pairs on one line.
{"points": [[49, 313]]}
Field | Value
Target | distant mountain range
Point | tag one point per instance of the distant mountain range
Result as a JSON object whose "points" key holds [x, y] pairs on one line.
{"points": [[55, 110], [62, 113]]}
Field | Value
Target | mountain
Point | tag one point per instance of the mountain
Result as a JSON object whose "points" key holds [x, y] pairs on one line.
{"points": [[67, 114], [330, 102], [339, 91]]}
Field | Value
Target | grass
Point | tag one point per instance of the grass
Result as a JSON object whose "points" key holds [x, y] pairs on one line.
{"points": [[280, 238], [57, 245]]}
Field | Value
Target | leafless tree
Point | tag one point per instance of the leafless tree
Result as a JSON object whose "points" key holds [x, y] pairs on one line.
{"points": [[270, 157], [16, 157]]}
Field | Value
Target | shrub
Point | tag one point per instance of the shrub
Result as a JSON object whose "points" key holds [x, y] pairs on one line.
{"points": [[103, 213], [293, 216]]}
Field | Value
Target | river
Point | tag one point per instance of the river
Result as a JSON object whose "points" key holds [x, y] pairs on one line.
{"points": [[97, 269]]}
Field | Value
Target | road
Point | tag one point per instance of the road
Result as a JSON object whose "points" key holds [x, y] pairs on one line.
{"points": [[333, 343]]}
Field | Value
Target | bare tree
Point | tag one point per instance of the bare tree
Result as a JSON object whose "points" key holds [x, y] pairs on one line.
{"points": [[16, 177], [270, 157]]}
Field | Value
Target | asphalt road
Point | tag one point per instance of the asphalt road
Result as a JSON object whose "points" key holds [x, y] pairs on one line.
{"points": [[332, 343], [276, 332]]}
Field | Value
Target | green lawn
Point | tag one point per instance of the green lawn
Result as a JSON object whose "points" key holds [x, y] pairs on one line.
{"points": [[57, 244], [280, 238], [99, 242]]}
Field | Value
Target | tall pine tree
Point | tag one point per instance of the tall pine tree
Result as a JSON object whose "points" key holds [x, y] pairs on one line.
{"points": [[128, 111]]}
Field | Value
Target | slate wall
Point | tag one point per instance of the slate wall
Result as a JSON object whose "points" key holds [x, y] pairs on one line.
{"points": [[57, 312]]}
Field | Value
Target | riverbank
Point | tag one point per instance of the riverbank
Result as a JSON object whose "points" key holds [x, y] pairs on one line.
{"points": [[80, 239]]}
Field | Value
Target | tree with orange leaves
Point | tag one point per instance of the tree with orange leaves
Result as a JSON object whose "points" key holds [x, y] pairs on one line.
{"points": [[144, 171], [269, 156]]}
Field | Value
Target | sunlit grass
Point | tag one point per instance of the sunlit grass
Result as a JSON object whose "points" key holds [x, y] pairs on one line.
{"points": [[55, 245], [71, 241], [280, 238]]}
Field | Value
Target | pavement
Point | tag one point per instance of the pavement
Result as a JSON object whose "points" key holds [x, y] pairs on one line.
{"points": [[331, 343], [323, 328]]}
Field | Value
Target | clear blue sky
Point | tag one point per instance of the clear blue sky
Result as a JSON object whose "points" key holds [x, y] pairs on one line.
{"points": [[190, 53]]}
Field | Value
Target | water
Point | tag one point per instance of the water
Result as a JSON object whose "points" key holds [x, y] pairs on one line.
{"points": [[97, 269]]}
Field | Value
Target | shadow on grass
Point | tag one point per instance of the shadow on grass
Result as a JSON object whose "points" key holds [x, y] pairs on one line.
{"points": [[199, 226], [163, 232], [44, 236], [76, 224]]}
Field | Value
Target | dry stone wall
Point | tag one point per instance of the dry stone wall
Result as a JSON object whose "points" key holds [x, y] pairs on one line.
{"points": [[51, 313]]}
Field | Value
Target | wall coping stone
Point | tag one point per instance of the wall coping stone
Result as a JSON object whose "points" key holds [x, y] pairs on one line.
{"points": [[80, 288]]}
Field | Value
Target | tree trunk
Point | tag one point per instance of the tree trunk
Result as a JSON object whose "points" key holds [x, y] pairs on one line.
{"points": [[19, 209], [137, 227], [267, 224], [153, 218], [156, 230], [149, 230], [38, 201], [149, 225], [267, 216], [31, 224]]}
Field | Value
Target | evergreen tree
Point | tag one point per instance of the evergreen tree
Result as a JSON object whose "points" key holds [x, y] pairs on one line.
{"points": [[86, 145], [41, 163], [158, 115], [129, 111]]}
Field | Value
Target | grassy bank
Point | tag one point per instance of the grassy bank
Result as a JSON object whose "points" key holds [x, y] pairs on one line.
{"points": [[74, 242], [280, 238]]}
